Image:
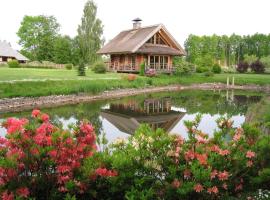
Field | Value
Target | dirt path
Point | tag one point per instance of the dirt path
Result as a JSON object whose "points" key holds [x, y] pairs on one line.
{"points": [[26, 103]]}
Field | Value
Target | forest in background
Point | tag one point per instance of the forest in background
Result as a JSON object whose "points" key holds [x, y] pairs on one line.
{"points": [[227, 50]]}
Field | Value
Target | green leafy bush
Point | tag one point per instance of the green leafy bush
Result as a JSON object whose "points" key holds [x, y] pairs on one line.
{"points": [[13, 64], [250, 58], [142, 69], [216, 69], [99, 67], [69, 66], [266, 61], [201, 69], [183, 67]]}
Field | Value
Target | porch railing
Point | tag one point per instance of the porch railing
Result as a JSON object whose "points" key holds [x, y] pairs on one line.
{"points": [[116, 66]]}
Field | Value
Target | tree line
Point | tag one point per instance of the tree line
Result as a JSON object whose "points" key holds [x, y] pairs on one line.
{"points": [[226, 50], [41, 40]]}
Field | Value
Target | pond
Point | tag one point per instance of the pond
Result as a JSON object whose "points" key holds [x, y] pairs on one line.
{"points": [[121, 117]]}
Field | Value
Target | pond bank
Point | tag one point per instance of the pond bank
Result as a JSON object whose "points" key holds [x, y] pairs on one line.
{"points": [[26, 103]]}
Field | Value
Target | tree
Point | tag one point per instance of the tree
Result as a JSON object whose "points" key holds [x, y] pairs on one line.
{"points": [[63, 50], [81, 69], [90, 33], [250, 58], [37, 36]]}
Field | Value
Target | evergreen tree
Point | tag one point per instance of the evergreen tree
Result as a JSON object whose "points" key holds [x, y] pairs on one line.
{"points": [[90, 33], [81, 69]]}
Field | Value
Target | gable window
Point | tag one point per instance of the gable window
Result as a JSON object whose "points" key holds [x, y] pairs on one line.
{"points": [[156, 39]]}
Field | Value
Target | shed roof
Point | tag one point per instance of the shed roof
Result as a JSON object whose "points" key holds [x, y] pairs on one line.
{"points": [[130, 41], [7, 51]]}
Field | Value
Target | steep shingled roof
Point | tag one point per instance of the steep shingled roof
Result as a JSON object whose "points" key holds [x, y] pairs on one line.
{"points": [[7, 51], [132, 41]]}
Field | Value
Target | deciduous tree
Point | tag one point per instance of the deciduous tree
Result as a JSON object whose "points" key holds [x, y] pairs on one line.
{"points": [[37, 36]]}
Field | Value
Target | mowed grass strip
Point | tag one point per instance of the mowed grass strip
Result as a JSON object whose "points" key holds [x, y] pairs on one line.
{"points": [[11, 74], [94, 86]]}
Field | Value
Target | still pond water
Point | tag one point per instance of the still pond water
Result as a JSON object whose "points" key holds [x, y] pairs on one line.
{"points": [[121, 117]]}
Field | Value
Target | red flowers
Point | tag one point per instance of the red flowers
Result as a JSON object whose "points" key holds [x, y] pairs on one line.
{"points": [[45, 117], [62, 152], [198, 188], [23, 192], [14, 125], [105, 172], [35, 113]]}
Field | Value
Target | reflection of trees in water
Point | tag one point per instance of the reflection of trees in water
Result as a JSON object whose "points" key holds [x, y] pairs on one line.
{"points": [[214, 103], [193, 101]]}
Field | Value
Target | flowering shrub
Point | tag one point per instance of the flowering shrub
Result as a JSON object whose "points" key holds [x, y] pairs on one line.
{"points": [[150, 72], [161, 166], [39, 160]]}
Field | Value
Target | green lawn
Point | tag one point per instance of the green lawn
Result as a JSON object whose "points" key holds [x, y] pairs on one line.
{"points": [[67, 82], [11, 74]]}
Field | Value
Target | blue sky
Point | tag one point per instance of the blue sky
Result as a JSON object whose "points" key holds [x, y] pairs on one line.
{"points": [[181, 17]]}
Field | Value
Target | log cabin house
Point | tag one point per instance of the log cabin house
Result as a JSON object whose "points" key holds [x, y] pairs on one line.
{"points": [[152, 45]]}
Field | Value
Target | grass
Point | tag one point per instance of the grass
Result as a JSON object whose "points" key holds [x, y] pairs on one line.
{"points": [[96, 83], [8, 74]]}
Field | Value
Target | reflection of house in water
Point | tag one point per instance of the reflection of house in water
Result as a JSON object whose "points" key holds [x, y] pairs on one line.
{"points": [[156, 112]]}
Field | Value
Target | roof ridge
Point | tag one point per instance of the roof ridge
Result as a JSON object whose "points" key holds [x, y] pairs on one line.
{"points": [[142, 27]]}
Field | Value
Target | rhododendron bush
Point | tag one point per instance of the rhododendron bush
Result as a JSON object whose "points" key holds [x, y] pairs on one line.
{"points": [[161, 166], [42, 161]]}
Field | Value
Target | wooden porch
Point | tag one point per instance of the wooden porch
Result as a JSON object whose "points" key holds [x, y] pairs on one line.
{"points": [[131, 63]]}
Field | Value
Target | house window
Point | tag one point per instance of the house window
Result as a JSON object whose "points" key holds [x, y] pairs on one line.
{"points": [[156, 39], [159, 62], [151, 40]]}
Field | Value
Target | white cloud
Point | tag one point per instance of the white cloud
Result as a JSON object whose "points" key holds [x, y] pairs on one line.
{"points": [[181, 17]]}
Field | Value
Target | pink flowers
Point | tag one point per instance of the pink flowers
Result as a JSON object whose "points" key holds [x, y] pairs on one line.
{"points": [[23, 192], [238, 134], [250, 154], [213, 174], [45, 117], [202, 158], [224, 152], [176, 183], [213, 190], [86, 128], [7, 195], [249, 163], [14, 125], [105, 172], [35, 113], [222, 176], [189, 155], [198, 188]]}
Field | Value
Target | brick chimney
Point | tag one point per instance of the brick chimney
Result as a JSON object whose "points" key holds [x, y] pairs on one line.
{"points": [[137, 23]]}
